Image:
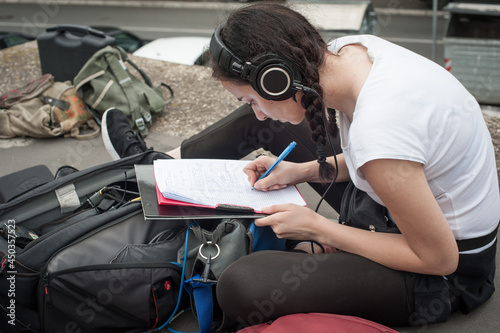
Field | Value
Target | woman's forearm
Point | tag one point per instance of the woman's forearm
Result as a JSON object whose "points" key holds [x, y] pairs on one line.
{"points": [[310, 170]]}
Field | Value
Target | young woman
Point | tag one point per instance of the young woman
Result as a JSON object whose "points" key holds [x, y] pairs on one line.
{"points": [[412, 137]]}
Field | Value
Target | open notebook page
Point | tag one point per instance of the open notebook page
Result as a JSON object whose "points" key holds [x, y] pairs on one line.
{"points": [[212, 182]]}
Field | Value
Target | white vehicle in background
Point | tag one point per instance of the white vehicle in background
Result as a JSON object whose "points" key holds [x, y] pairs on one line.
{"points": [[182, 50], [336, 18]]}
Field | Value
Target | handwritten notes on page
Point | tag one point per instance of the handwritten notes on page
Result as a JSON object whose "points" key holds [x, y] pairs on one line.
{"points": [[214, 182]]}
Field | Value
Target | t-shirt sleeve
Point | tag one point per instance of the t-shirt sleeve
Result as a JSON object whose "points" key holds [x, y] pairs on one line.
{"points": [[388, 131]]}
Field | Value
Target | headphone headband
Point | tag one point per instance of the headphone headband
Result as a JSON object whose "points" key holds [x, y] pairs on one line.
{"points": [[223, 55]]}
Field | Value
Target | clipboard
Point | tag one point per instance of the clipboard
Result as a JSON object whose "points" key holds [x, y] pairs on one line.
{"points": [[153, 211]]}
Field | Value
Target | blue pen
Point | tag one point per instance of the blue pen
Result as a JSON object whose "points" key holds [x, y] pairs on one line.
{"points": [[279, 159]]}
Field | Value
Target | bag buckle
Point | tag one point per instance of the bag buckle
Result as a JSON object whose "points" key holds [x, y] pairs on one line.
{"points": [[204, 278], [63, 105], [141, 125]]}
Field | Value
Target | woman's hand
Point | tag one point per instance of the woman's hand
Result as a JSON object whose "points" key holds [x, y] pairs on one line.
{"points": [[292, 221], [288, 173], [284, 174]]}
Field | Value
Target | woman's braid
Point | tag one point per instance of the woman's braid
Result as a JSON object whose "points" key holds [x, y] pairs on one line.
{"points": [[315, 115]]}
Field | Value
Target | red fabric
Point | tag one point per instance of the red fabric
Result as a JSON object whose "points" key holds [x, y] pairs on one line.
{"points": [[26, 90], [318, 323]]}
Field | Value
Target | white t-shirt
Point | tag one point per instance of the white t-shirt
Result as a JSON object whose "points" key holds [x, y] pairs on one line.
{"points": [[413, 109]]}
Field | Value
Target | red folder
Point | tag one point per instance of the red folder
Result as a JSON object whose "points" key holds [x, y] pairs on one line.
{"points": [[166, 201]]}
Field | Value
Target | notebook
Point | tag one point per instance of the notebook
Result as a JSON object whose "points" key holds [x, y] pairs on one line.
{"points": [[156, 212], [215, 183]]}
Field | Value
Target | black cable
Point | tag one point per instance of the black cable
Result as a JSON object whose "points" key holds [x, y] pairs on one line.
{"points": [[117, 188], [323, 196], [125, 190]]}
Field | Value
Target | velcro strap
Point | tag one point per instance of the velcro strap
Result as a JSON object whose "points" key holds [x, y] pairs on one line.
{"points": [[68, 198]]}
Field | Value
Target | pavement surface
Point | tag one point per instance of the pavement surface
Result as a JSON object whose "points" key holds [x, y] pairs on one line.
{"points": [[199, 101]]}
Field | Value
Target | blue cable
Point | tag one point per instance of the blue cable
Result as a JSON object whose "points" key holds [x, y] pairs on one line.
{"points": [[181, 286]]}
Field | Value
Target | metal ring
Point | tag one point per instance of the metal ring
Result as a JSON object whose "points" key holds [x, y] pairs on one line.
{"points": [[209, 243]]}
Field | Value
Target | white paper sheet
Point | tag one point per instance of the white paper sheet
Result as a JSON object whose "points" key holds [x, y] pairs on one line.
{"points": [[212, 182]]}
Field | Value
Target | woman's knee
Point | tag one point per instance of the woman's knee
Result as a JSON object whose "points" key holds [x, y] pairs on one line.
{"points": [[250, 289], [265, 285]]}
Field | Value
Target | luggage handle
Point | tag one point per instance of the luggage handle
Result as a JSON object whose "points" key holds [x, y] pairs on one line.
{"points": [[77, 29]]}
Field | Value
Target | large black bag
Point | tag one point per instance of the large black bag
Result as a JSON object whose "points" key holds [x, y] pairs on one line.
{"points": [[77, 255], [70, 275]]}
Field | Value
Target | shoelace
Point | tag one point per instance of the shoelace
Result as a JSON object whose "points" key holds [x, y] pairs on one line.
{"points": [[133, 144]]}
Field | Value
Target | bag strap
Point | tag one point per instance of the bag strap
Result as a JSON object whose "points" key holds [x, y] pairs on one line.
{"points": [[139, 116], [201, 289], [88, 79], [170, 99], [179, 298], [91, 124], [63, 105], [145, 77], [199, 286], [143, 74]]}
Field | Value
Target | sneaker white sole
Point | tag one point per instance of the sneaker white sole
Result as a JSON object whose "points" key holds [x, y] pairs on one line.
{"points": [[105, 138]]}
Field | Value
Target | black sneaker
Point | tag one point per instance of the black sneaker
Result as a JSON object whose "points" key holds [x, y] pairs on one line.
{"points": [[119, 137]]}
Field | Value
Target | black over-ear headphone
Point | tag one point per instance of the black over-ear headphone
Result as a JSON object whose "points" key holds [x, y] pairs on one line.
{"points": [[271, 76]]}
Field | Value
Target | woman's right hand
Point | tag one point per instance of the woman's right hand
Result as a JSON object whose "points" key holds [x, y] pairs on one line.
{"points": [[282, 175]]}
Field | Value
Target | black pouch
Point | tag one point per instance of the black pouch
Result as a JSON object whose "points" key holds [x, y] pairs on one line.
{"points": [[474, 279], [432, 299], [358, 210]]}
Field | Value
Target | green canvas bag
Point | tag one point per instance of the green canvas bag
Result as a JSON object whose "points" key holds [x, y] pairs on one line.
{"points": [[105, 82]]}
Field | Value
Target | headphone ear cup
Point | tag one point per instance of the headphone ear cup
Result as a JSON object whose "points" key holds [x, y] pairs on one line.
{"points": [[273, 79]]}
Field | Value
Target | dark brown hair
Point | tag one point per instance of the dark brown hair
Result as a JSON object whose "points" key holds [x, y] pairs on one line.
{"points": [[275, 28]]}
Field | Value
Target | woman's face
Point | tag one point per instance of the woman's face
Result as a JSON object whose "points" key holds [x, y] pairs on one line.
{"points": [[283, 111]]}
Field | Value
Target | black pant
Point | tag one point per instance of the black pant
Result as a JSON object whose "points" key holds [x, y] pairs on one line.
{"points": [[240, 133], [268, 284]]}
